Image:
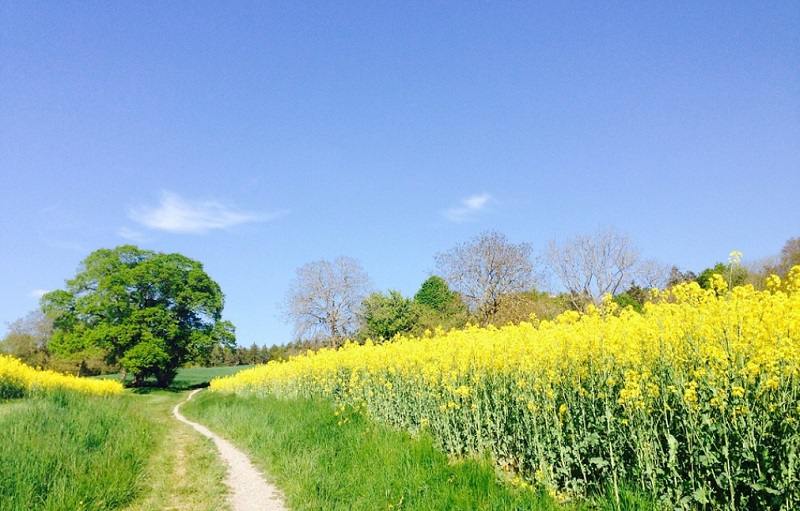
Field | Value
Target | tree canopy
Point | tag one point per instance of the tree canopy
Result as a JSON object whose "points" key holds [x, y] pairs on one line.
{"points": [[147, 311], [436, 294], [28, 337], [439, 306]]}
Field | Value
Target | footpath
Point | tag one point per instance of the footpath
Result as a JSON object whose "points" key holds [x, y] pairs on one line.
{"points": [[249, 491]]}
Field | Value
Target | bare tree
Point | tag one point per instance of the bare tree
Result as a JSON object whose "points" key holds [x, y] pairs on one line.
{"points": [[789, 257], [651, 273], [28, 338], [485, 269], [325, 299], [678, 276], [593, 265]]}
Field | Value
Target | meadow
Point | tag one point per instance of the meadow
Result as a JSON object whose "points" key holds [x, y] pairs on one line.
{"points": [[186, 379], [692, 404]]}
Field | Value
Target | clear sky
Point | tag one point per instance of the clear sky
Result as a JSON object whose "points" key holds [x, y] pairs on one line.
{"points": [[258, 136]]}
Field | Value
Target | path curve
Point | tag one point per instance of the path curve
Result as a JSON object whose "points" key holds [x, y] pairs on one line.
{"points": [[249, 490]]}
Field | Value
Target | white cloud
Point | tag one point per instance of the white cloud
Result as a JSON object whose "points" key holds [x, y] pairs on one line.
{"points": [[130, 234], [174, 214], [468, 208], [38, 293]]}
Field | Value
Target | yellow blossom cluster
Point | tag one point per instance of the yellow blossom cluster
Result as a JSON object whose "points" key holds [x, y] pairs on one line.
{"points": [[18, 379], [695, 398]]}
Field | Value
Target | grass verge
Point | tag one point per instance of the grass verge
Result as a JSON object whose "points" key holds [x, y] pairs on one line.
{"points": [[324, 461]]}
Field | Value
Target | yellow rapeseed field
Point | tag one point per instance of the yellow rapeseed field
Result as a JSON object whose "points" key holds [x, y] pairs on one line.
{"points": [[18, 380], [694, 402]]}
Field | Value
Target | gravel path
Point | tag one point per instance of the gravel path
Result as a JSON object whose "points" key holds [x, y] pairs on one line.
{"points": [[249, 490]]}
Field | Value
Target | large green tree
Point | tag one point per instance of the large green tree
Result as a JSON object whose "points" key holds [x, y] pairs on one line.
{"points": [[147, 311]]}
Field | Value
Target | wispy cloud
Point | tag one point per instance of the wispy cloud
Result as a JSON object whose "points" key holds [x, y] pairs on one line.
{"points": [[132, 235], [38, 293], [468, 208], [175, 214]]}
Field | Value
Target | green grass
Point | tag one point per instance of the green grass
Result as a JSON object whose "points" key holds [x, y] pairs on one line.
{"points": [[72, 452], [195, 377], [321, 464]]}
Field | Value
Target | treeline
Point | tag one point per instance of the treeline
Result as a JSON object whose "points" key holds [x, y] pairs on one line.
{"points": [[491, 281], [28, 339], [255, 354], [486, 281]]}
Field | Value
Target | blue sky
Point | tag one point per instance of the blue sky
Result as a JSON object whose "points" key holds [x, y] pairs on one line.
{"points": [[258, 136]]}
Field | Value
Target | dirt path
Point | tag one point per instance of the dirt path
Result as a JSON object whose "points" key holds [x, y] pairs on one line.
{"points": [[249, 490]]}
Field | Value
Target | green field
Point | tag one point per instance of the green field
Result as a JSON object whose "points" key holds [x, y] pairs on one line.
{"points": [[190, 377], [70, 451]]}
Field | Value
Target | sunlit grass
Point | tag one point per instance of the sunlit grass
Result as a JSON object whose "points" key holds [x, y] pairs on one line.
{"points": [[184, 472]]}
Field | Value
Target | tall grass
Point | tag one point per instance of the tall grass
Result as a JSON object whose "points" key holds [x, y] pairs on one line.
{"points": [[70, 451], [324, 460]]}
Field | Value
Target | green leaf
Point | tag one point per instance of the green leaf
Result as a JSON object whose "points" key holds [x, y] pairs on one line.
{"points": [[598, 462], [700, 496]]}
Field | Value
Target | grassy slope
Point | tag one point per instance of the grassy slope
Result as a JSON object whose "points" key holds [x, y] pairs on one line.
{"points": [[321, 464]]}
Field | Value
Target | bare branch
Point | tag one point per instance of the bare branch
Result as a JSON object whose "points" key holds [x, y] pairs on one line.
{"points": [[485, 269], [604, 262], [325, 299]]}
